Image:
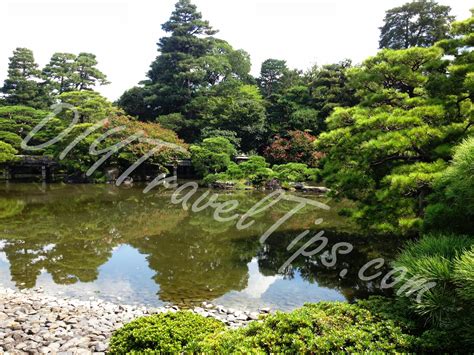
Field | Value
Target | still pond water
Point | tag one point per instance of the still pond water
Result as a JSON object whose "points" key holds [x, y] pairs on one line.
{"points": [[122, 245]]}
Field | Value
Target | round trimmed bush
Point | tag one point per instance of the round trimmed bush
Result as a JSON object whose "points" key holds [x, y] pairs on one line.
{"points": [[165, 332]]}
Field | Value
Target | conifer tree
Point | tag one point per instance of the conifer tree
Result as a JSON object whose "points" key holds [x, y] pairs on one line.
{"points": [[22, 86]]}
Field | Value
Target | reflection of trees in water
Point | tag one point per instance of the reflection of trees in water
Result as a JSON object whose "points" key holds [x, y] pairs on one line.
{"points": [[70, 231], [274, 254], [10, 208], [192, 266]]}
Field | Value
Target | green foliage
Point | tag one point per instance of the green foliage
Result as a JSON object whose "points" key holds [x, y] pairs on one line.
{"points": [[58, 72], [260, 177], [206, 162], [80, 159], [21, 86], [198, 82], [68, 72], [17, 121], [27, 85], [387, 152], [219, 144], [329, 86], [253, 164], [231, 136], [295, 172], [297, 101], [11, 138], [315, 328], [257, 172], [272, 76], [445, 260], [213, 155], [85, 74], [415, 24], [91, 106], [166, 333], [393, 76], [303, 118], [426, 339], [173, 121], [452, 204], [133, 103], [453, 81], [464, 275], [231, 106], [7, 152]]}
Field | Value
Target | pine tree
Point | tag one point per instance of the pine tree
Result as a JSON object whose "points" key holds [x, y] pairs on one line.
{"points": [[22, 86], [59, 72], [419, 23], [69, 72], [176, 74], [86, 75]]}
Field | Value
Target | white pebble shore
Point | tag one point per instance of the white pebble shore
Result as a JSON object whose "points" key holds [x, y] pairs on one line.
{"points": [[33, 322]]}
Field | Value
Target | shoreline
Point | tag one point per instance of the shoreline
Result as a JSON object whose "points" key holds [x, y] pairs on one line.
{"points": [[32, 321]]}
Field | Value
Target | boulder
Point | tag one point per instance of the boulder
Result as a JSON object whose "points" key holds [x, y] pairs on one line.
{"points": [[112, 174]]}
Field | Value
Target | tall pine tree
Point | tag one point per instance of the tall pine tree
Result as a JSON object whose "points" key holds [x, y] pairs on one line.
{"points": [[176, 73], [22, 86], [194, 81]]}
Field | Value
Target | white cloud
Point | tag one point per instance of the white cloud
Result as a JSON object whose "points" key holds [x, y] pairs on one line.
{"points": [[258, 283]]}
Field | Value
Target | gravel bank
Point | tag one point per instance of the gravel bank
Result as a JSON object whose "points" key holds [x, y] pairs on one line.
{"points": [[34, 322]]}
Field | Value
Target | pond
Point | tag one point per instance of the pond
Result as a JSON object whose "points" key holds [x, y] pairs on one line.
{"points": [[122, 245]]}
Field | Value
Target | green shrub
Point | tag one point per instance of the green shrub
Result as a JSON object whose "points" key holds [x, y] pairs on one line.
{"points": [[206, 162], [261, 176], [253, 164], [213, 155], [164, 332], [219, 145], [295, 172], [315, 328], [378, 324], [256, 171], [464, 275], [452, 204], [446, 308], [11, 138], [7, 152], [234, 172]]}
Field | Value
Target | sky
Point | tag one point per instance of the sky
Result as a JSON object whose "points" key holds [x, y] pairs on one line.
{"points": [[123, 34]]}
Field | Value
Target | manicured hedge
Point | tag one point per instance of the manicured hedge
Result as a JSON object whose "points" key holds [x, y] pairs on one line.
{"points": [[323, 327], [164, 332]]}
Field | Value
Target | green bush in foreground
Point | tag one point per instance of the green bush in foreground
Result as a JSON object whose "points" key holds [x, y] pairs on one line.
{"points": [[445, 310], [322, 327], [164, 332]]}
